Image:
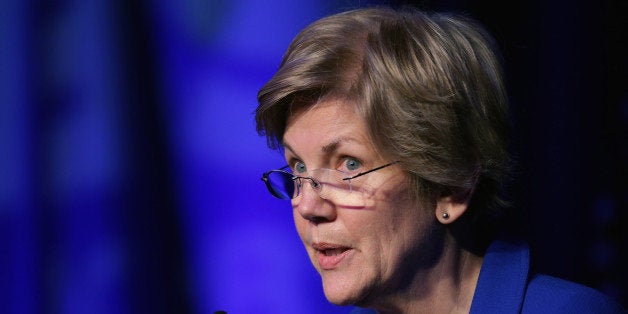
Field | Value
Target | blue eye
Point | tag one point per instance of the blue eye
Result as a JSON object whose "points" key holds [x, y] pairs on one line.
{"points": [[352, 164], [299, 167]]}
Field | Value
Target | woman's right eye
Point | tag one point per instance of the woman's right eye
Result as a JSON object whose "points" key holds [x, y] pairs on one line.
{"points": [[299, 167]]}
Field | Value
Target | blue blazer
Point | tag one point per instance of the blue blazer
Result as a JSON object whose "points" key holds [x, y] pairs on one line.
{"points": [[505, 286]]}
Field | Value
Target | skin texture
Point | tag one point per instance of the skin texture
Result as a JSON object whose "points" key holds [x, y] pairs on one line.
{"points": [[389, 254]]}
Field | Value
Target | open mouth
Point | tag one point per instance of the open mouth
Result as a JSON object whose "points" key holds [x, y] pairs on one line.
{"points": [[329, 249], [333, 252], [330, 255]]}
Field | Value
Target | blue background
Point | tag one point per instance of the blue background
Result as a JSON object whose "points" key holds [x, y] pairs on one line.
{"points": [[130, 165]]}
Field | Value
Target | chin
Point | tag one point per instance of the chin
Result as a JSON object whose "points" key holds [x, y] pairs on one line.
{"points": [[341, 293], [340, 299]]}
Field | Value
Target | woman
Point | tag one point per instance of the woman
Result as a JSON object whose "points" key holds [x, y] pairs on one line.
{"points": [[394, 128]]}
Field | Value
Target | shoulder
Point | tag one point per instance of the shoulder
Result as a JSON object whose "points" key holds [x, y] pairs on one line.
{"points": [[546, 294]]}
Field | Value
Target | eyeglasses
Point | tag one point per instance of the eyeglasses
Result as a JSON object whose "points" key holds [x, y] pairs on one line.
{"points": [[330, 184]]}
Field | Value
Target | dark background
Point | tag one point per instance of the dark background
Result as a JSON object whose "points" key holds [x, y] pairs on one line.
{"points": [[129, 164], [566, 64]]}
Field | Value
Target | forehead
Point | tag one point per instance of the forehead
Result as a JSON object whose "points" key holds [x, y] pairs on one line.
{"points": [[325, 125]]}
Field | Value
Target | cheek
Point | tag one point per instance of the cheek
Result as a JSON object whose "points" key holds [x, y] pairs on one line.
{"points": [[300, 224], [403, 223], [399, 209]]}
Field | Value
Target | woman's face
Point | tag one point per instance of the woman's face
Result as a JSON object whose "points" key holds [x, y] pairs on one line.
{"points": [[361, 252]]}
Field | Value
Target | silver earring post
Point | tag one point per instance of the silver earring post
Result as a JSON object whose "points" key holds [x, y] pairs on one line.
{"points": [[445, 216]]}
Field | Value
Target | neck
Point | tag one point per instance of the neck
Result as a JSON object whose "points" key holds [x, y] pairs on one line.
{"points": [[448, 287]]}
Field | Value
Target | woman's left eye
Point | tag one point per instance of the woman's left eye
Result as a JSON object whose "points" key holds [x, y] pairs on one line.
{"points": [[352, 164]]}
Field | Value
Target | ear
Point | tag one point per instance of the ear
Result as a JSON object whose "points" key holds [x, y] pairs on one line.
{"points": [[450, 208]]}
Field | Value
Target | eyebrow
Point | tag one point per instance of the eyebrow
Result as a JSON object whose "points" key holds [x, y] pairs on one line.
{"points": [[287, 146], [333, 145], [327, 148]]}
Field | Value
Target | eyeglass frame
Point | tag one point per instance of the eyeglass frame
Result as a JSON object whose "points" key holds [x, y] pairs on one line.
{"points": [[295, 177]]}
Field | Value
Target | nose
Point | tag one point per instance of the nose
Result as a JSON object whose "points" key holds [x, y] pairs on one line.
{"points": [[311, 206]]}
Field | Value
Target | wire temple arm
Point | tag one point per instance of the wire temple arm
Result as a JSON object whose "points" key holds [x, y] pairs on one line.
{"points": [[369, 171]]}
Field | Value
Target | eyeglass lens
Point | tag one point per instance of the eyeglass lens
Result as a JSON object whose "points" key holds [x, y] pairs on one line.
{"points": [[280, 184], [328, 183]]}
